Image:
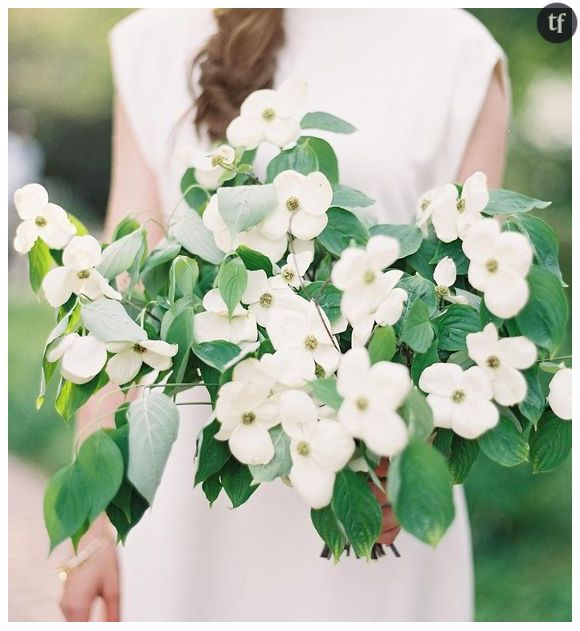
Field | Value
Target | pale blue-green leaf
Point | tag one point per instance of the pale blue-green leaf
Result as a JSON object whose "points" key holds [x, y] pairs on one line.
{"points": [[108, 321]]}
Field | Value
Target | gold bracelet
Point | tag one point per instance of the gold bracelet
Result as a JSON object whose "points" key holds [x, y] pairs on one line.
{"points": [[84, 555]]}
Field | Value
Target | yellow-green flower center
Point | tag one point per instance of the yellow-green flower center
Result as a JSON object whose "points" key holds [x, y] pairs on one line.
{"points": [[303, 448], [84, 274], [310, 343], [268, 114], [288, 274], [493, 361], [248, 418], [458, 396], [441, 291], [369, 276], [362, 403], [139, 349], [491, 265], [460, 205], [40, 222], [266, 300], [217, 161], [425, 204], [292, 204]]}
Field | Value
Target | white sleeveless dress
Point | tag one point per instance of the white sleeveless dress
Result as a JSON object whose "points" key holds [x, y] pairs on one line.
{"points": [[413, 82]]}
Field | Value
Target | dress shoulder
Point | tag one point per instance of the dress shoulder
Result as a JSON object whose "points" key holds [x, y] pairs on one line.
{"points": [[151, 52]]}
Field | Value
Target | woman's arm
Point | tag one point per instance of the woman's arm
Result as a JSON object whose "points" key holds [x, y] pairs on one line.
{"points": [[485, 152], [132, 191]]}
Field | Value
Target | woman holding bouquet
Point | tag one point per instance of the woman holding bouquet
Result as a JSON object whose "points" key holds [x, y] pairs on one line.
{"points": [[427, 90]]}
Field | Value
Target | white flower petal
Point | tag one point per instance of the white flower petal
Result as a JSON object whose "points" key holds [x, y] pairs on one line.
{"points": [[382, 251], [443, 409], [85, 358], [298, 414], [513, 251], [59, 229], [441, 379], [58, 286], [445, 273], [391, 308], [257, 286], [482, 344], [82, 253], [30, 201], [475, 192], [26, 235], [476, 245], [390, 383], [444, 213], [353, 372], [208, 326], [312, 482], [560, 395], [303, 225], [57, 350], [507, 294], [246, 131], [517, 352], [476, 383], [282, 132], [292, 369], [509, 386], [385, 434], [331, 445], [124, 366], [251, 444], [243, 328], [474, 418], [344, 273], [316, 193], [254, 239]]}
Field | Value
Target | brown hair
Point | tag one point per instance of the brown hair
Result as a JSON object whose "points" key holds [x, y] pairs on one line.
{"points": [[238, 59]]}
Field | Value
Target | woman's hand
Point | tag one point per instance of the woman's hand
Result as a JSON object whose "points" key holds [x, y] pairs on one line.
{"points": [[97, 577], [390, 528]]}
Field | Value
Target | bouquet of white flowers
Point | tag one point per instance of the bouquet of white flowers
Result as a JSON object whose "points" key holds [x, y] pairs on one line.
{"points": [[325, 343]]}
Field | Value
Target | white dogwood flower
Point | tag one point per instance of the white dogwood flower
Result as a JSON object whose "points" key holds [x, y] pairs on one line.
{"points": [[215, 324], [254, 239], [452, 215], [460, 400], [78, 274], [359, 274], [302, 339], [40, 219], [445, 275], [293, 270], [130, 356], [502, 360], [266, 297], [210, 168], [269, 115], [82, 357], [302, 204], [424, 209], [247, 409], [318, 448], [498, 265], [372, 395], [560, 394]]}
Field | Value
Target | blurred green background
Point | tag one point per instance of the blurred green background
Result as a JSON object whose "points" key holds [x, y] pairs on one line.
{"points": [[60, 95]]}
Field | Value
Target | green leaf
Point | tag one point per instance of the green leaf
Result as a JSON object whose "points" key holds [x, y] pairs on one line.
{"points": [[48, 368], [121, 254], [357, 510], [454, 251], [325, 391], [232, 280], [66, 504], [417, 414], [254, 260], [325, 156], [79, 225], [349, 198], [327, 526], [342, 228], [124, 227], [502, 202], [420, 489], [424, 360], [543, 239], [155, 271], [212, 454], [504, 444], [532, 407], [420, 261], [212, 487], [383, 344], [196, 196], [123, 521], [243, 207], [237, 482], [543, 320], [418, 288], [409, 237], [326, 295], [191, 233], [453, 326], [101, 462], [217, 354], [183, 276], [177, 328], [73, 396], [108, 321], [153, 425], [463, 454], [300, 158], [461, 358], [417, 331], [326, 122], [280, 464], [39, 264], [550, 443]]}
